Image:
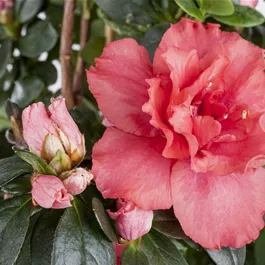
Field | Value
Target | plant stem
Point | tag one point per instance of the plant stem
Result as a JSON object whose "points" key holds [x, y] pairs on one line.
{"points": [[109, 34], [66, 52], [80, 65]]}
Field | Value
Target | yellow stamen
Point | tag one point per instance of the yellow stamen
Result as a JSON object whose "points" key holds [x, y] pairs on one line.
{"points": [[244, 114]]}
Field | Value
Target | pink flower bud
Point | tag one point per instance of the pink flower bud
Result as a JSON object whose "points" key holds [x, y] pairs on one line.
{"points": [[49, 192], [131, 221], [251, 3], [47, 132], [77, 180]]}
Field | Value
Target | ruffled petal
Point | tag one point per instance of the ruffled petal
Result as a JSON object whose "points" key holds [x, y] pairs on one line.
{"points": [[119, 80], [36, 126], [130, 167], [219, 211]]}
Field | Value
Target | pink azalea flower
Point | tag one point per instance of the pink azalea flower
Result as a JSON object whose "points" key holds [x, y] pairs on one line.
{"points": [[77, 180], [251, 3], [6, 4], [189, 130], [47, 132], [131, 221], [49, 192]]}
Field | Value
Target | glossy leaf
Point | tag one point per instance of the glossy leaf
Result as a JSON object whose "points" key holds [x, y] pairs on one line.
{"points": [[5, 54], [11, 168], [152, 38], [243, 16], [190, 7], [160, 250], [14, 222], [27, 90], [43, 236], [40, 37], [38, 164], [134, 255], [79, 241], [139, 12], [27, 9], [103, 219], [220, 8], [228, 256], [20, 185], [166, 223]]}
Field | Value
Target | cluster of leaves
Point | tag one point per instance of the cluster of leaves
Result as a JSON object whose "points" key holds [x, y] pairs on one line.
{"points": [[83, 234]]}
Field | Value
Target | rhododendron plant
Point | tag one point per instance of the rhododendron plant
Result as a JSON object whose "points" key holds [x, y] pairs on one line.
{"points": [[188, 130]]}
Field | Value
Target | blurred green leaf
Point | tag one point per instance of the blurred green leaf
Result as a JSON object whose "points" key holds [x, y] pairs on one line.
{"points": [[190, 7], [27, 90], [97, 28], [40, 37], [11, 168], [152, 38], [243, 16], [93, 49], [20, 185], [46, 71], [5, 54], [27, 9], [78, 240], [139, 12], [14, 222], [259, 247], [228, 256], [103, 219], [37, 163], [220, 8]]}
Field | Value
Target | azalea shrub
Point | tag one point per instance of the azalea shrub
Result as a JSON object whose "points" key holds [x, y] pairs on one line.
{"points": [[132, 132]]}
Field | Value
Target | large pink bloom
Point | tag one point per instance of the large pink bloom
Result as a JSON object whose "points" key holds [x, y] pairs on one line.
{"points": [[188, 130]]}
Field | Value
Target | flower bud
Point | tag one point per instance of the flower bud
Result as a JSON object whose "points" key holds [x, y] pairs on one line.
{"points": [[47, 132], [49, 192], [131, 221], [77, 180]]}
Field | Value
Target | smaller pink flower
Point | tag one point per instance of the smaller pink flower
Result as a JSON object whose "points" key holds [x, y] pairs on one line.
{"points": [[6, 4], [77, 180], [131, 221], [251, 3], [49, 192]]}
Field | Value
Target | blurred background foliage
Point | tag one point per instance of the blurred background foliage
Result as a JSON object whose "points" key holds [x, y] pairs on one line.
{"points": [[30, 69]]}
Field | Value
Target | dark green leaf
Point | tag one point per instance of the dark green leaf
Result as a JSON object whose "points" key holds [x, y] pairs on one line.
{"points": [[243, 16], [5, 54], [40, 37], [228, 256], [190, 7], [220, 8], [152, 38], [30, 88], [46, 71], [137, 11], [103, 219], [79, 241], [43, 236], [20, 185], [134, 255], [93, 49], [166, 223], [160, 250], [27, 9], [14, 222], [37, 163], [11, 168], [24, 257], [259, 247]]}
